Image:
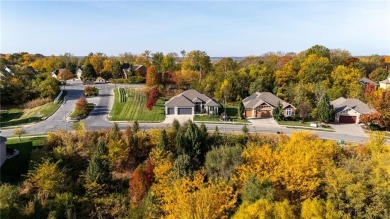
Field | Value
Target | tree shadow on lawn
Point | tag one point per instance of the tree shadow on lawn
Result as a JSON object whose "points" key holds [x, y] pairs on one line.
{"points": [[13, 169], [7, 116], [20, 121]]}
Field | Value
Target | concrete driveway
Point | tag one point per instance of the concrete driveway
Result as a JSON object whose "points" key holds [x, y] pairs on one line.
{"points": [[181, 118], [349, 129], [270, 122]]}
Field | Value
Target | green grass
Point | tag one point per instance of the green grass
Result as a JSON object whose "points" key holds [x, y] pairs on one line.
{"points": [[296, 123], [19, 116], [90, 107], [216, 119], [135, 108], [13, 169]]}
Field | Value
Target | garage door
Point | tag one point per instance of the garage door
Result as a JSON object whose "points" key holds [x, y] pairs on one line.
{"points": [[263, 114], [171, 111], [347, 119], [248, 113], [185, 111]]}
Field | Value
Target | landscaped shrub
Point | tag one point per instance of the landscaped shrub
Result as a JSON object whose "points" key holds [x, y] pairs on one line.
{"points": [[91, 91], [36, 102], [130, 80], [81, 107]]}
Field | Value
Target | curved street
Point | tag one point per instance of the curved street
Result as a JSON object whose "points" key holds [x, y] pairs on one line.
{"points": [[104, 102]]}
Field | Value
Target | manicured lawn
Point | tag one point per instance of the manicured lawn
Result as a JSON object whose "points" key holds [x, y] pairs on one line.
{"points": [[17, 117], [216, 119], [133, 107], [13, 169], [304, 125]]}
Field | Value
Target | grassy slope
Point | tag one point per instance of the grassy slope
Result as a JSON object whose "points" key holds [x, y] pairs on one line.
{"points": [[13, 169], [15, 117], [135, 108]]}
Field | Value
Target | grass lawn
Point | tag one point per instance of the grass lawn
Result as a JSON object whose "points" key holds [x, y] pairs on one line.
{"points": [[133, 107], [17, 116], [216, 119], [90, 107], [304, 125], [13, 169]]}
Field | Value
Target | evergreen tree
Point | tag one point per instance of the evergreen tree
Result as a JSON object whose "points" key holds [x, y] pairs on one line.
{"points": [[163, 141], [117, 70], [277, 113], [97, 175], [245, 129], [325, 110], [115, 131], [240, 108], [135, 126]]}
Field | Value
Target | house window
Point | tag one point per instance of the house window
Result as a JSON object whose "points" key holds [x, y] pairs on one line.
{"points": [[288, 112]]}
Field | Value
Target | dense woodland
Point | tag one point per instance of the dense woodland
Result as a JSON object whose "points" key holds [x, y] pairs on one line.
{"points": [[302, 79], [185, 172]]}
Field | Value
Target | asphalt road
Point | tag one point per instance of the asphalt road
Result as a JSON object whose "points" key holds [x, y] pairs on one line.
{"points": [[103, 103]]}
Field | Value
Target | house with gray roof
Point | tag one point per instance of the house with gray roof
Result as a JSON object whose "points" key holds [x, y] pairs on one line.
{"points": [[365, 81], [191, 102], [261, 105], [349, 110]]}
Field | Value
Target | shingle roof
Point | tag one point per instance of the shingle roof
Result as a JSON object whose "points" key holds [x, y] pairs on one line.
{"points": [[366, 81], [341, 104], [187, 99], [258, 98]]}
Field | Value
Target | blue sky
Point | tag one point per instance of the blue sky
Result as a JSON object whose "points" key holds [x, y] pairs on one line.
{"points": [[221, 28]]}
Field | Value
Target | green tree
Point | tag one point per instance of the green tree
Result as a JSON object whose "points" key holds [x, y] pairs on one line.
{"points": [[254, 190], [50, 87], [240, 108], [117, 70], [10, 201], [277, 113], [197, 60], [221, 162], [157, 61], [18, 132], [325, 111], [97, 175], [89, 73], [320, 51]]}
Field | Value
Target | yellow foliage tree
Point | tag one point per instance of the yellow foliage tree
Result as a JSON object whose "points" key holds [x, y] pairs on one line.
{"points": [[263, 208]]}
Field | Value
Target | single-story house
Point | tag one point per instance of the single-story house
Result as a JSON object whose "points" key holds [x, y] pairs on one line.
{"points": [[191, 102], [3, 150], [140, 70], [261, 105], [385, 84], [136, 70], [349, 110], [365, 81]]}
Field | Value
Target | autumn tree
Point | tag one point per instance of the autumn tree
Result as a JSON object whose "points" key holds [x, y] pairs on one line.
{"points": [[140, 182], [197, 61], [65, 75], [152, 98], [380, 101], [318, 50], [152, 76], [314, 69], [81, 107], [10, 201]]}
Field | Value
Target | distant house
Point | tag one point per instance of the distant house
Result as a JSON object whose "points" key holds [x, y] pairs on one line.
{"points": [[55, 73], [385, 84], [349, 110], [3, 150], [100, 80], [365, 81], [130, 70], [261, 105], [191, 102], [140, 70]]}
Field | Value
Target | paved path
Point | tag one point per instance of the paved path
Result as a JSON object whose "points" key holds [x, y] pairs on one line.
{"points": [[98, 118]]}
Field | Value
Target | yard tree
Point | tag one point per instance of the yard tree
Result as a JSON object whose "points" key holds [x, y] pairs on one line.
{"points": [[152, 98], [107, 65], [380, 101], [65, 75], [89, 73], [117, 70], [71, 66], [18, 132], [347, 79], [152, 76], [240, 108], [50, 87], [168, 62], [277, 113], [304, 110], [339, 56], [378, 74], [325, 111]]}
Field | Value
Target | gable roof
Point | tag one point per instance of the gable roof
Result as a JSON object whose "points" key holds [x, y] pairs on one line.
{"points": [[259, 98], [365, 80], [188, 99], [342, 104], [2, 139]]}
